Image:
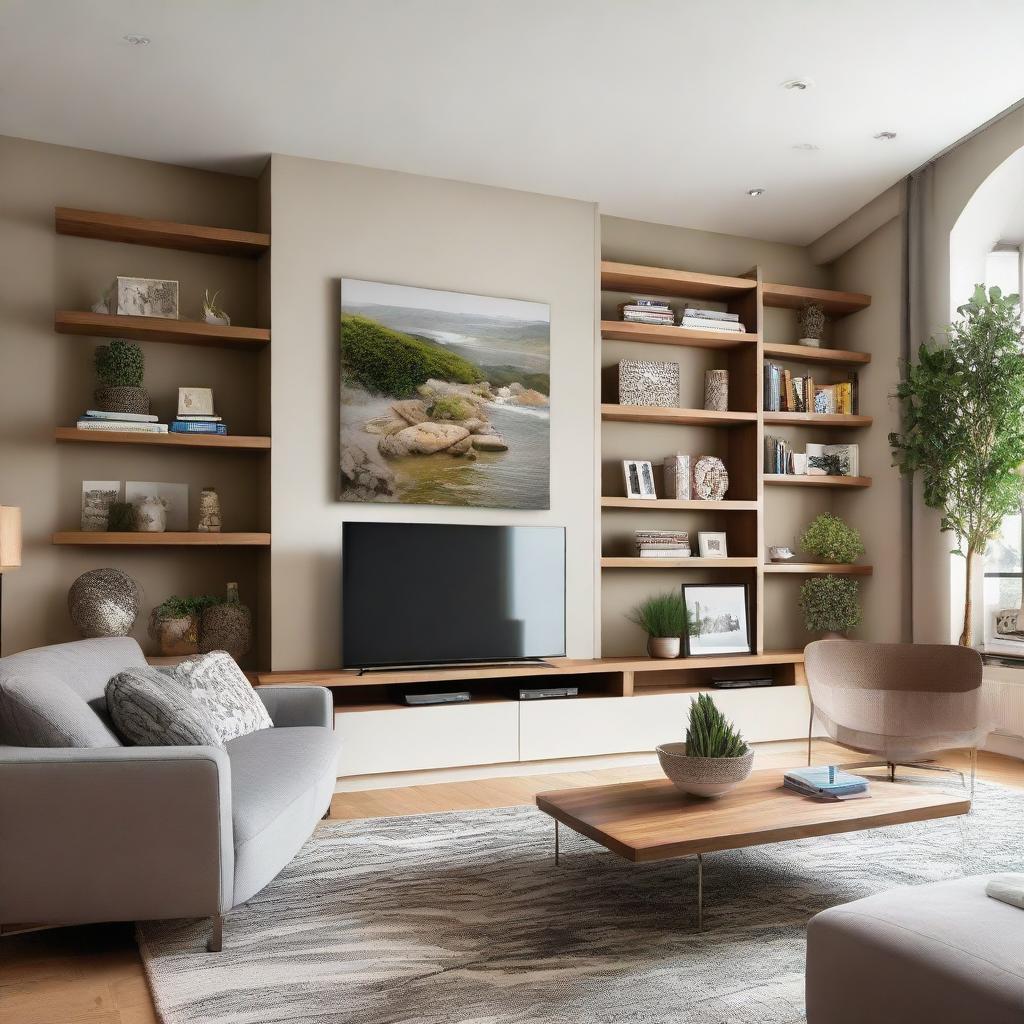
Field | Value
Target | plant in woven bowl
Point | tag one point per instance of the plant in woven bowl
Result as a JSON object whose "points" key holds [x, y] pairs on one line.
{"points": [[828, 539], [662, 617], [119, 370], [174, 624], [714, 758], [831, 605]]}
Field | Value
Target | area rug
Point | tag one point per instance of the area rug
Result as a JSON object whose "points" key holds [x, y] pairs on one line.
{"points": [[462, 918]]}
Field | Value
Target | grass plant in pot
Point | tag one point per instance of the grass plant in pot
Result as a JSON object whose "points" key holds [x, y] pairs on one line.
{"points": [[831, 605], [662, 618], [828, 539], [174, 625], [714, 759], [119, 369]]}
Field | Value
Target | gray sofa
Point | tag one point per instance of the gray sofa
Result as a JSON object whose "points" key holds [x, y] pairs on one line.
{"points": [[943, 953], [95, 831]]}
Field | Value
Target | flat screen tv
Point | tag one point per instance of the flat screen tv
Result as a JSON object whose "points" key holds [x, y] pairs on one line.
{"points": [[424, 594]]}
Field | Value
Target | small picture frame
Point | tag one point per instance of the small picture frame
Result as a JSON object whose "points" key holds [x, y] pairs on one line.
{"points": [[717, 619], [195, 401], [639, 479], [143, 296], [712, 545]]}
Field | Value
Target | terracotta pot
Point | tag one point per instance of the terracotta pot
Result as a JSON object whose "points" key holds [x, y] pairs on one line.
{"points": [[703, 776], [663, 646]]}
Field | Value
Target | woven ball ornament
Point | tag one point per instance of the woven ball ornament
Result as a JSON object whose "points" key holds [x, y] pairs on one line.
{"points": [[104, 602]]}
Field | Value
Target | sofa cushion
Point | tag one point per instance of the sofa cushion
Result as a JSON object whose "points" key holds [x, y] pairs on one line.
{"points": [[151, 708], [220, 686]]}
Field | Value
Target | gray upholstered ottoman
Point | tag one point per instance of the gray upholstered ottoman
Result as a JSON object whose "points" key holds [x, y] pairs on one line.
{"points": [[943, 953]]}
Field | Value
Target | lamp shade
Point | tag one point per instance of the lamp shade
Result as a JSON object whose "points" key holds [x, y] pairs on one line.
{"points": [[10, 537]]}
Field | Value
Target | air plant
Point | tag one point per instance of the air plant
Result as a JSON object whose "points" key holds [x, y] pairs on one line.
{"points": [[212, 313]]}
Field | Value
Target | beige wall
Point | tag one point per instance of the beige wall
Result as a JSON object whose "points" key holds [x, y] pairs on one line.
{"points": [[46, 379], [336, 220]]}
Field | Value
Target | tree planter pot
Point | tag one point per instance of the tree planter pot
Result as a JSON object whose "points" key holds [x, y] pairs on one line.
{"points": [[703, 776], [663, 646], [133, 400]]}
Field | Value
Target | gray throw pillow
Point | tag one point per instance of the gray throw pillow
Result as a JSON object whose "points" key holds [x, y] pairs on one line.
{"points": [[220, 687], [153, 709]]}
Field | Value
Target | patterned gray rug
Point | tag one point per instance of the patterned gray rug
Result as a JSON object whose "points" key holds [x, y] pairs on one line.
{"points": [[461, 918]]}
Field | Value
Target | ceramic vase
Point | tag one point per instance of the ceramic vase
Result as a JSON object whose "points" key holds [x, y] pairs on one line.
{"points": [[227, 626], [209, 511], [151, 515], [716, 390], [663, 646]]}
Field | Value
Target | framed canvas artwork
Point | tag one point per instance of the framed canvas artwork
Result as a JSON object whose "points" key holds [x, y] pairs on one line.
{"points": [[717, 618]]}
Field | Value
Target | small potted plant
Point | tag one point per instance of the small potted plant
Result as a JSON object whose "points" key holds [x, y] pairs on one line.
{"points": [[174, 625], [714, 758], [212, 313], [828, 539], [119, 369], [811, 322], [831, 605], [662, 618]]}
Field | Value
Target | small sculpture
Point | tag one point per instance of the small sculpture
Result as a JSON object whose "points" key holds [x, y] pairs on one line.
{"points": [[209, 511], [780, 554]]}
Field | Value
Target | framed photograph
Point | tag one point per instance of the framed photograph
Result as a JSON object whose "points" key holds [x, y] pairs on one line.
{"points": [[712, 545], [195, 401], [639, 477], [176, 496], [717, 619], [143, 296]]}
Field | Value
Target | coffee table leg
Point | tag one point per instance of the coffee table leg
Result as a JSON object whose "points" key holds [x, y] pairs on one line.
{"points": [[700, 892], [556, 843]]}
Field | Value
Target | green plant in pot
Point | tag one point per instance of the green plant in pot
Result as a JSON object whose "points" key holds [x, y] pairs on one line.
{"points": [[831, 605], [663, 618], [119, 370], [828, 539], [175, 624], [714, 758]]}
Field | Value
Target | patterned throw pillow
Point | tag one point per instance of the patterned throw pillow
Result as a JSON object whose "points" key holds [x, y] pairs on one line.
{"points": [[152, 709], [219, 686]]}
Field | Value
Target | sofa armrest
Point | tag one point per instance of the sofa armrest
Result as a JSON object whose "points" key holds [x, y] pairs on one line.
{"points": [[114, 833], [298, 705]]}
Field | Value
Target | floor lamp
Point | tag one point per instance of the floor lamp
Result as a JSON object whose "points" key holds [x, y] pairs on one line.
{"points": [[10, 550]]}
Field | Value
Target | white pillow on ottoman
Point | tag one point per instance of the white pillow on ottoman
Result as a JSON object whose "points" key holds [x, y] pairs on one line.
{"points": [[219, 685]]}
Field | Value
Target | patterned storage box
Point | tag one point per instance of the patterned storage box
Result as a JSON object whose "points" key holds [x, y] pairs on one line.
{"points": [[642, 382], [677, 477]]}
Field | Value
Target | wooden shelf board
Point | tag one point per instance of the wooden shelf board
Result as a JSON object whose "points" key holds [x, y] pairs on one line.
{"points": [[816, 419], [811, 568], [794, 296], [167, 539], [678, 563], [790, 480], [672, 504], [236, 442], [611, 411], [655, 334], [163, 234], [807, 354], [155, 328], [629, 277]]}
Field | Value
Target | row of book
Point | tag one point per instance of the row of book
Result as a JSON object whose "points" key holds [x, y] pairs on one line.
{"points": [[778, 456], [662, 543], [816, 460], [784, 392], [826, 783], [141, 423], [659, 312]]}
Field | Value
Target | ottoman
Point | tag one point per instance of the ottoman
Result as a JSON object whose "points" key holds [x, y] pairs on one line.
{"points": [[943, 953]]}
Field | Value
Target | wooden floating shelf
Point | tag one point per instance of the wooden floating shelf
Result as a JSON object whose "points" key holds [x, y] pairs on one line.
{"points": [[807, 354], [679, 563], [791, 480], [155, 328], [794, 296], [167, 539], [163, 234], [683, 417], [672, 504], [812, 568], [816, 419], [654, 334], [237, 442], [628, 277]]}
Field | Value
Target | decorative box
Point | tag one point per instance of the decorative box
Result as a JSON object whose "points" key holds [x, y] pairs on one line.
{"points": [[642, 382], [143, 296], [677, 477]]}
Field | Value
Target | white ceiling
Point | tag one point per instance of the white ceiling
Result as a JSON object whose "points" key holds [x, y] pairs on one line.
{"points": [[663, 110]]}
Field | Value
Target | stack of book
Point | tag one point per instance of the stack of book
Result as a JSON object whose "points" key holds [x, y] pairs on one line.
{"points": [[136, 423], [662, 543], [785, 393], [191, 424], [648, 311], [826, 783], [710, 320], [777, 452]]}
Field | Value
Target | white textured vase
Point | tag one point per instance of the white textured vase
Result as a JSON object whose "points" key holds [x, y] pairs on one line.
{"points": [[152, 516], [663, 646]]}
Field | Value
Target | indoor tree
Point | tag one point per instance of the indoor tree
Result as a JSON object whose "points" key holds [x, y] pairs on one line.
{"points": [[963, 425]]}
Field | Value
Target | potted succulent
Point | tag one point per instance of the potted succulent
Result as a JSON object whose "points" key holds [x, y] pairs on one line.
{"points": [[663, 619], [811, 322], [175, 624], [714, 758], [828, 539], [119, 369], [831, 605]]}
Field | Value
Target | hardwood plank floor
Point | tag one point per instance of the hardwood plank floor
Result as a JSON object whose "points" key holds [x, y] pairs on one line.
{"points": [[93, 974]]}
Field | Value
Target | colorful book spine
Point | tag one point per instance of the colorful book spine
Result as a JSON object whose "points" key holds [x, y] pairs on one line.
{"points": [[197, 427]]}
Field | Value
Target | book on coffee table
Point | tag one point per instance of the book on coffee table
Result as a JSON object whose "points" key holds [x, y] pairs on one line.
{"points": [[826, 782]]}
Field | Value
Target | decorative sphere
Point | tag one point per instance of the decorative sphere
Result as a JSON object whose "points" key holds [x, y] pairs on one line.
{"points": [[104, 602]]}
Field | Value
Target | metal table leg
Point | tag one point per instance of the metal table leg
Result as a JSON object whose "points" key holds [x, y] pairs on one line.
{"points": [[700, 892], [556, 843]]}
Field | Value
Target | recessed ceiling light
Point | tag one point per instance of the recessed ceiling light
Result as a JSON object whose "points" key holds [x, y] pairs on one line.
{"points": [[136, 40], [799, 84], [807, 147], [755, 192], [886, 136]]}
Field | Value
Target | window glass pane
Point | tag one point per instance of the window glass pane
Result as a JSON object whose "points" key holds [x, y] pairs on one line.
{"points": [[1002, 269], [1002, 593], [1004, 553]]}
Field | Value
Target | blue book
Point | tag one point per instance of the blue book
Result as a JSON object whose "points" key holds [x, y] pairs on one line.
{"points": [[197, 427], [827, 780]]}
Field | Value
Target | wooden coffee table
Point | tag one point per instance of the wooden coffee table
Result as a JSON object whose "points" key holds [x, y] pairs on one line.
{"points": [[650, 821]]}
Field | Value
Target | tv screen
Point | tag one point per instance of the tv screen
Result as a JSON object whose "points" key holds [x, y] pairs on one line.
{"points": [[415, 594]]}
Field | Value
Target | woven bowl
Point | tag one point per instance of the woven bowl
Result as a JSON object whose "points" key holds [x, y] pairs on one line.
{"points": [[703, 776]]}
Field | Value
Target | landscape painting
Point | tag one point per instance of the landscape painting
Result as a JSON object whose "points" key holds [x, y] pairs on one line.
{"points": [[445, 398]]}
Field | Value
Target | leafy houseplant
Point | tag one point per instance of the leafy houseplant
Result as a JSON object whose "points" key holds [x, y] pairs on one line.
{"points": [[963, 425], [119, 370], [829, 539], [175, 624], [663, 618], [830, 604]]}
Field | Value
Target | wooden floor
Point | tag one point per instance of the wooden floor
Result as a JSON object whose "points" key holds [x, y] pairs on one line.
{"points": [[93, 975]]}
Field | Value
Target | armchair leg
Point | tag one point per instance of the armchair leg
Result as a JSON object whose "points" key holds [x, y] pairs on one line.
{"points": [[216, 941], [810, 733]]}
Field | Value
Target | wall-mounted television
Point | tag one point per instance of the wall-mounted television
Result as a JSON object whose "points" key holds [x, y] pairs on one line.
{"points": [[426, 594]]}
